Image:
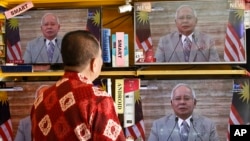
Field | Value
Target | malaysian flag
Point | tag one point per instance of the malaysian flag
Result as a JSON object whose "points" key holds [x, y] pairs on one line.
{"points": [[6, 133], [14, 54], [94, 22], [136, 131], [240, 107], [143, 35], [234, 41]]}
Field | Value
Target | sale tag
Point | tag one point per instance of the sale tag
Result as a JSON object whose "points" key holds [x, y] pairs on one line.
{"points": [[18, 10]]}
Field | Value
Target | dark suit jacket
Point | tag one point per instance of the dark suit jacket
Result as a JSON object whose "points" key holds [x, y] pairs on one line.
{"points": [[24, 130], [36, 51], [205, 129], [170, 49]]}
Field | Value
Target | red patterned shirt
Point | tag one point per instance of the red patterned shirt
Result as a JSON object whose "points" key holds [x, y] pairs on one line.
{"points": [[73, 109]]}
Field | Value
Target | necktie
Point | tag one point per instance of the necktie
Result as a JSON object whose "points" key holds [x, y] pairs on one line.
{"points": [[50, 50], [184, 131], [187, 48]]}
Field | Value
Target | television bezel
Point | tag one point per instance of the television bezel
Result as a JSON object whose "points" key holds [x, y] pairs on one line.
{"points": [[155, 93], [157, 7], [64, 28]]}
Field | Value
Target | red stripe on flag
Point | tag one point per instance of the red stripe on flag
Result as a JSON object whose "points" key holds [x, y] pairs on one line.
{"points": [[3, 135], [131, 132], [145, 45], [9, 127], [18, 50], [148, 43], [236, 115], [139, 43], [137, 130], [7, 135], [228, 54], [234, 50], [141, 129], [239, 45], [229, 40], [11, 52], [14, 51]]}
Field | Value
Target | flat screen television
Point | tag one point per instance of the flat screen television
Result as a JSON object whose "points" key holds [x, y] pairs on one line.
{"points": [[70, 19], [214, 99], [218, 38]]}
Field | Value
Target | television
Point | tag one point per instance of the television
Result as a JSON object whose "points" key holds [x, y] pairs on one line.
{"points": [[219, 36], [70, 19], [214, 99]]}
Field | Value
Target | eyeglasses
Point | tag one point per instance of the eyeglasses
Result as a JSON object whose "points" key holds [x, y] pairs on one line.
{"points": [[182, 98], [188, 17]]}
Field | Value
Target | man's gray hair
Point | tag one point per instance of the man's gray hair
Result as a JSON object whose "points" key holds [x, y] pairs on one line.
{"points": [[182, 84], [178, 9], [46, 14]]}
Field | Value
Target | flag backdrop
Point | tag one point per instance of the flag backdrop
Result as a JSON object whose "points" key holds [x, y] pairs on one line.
{"points": [[234, 49], [14, 54], [6, 133], [240, 107], [143, 33], [137, 130], [94, 22], [143, 36]]}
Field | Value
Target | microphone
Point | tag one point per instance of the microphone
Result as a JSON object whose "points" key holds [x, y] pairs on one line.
{"points": [[198, 48], [44, 41], [176, 120], [175, 48], [59, 51], [192, 122]]}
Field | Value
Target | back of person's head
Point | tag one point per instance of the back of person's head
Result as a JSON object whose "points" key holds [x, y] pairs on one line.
{"points": [[79, 48]]}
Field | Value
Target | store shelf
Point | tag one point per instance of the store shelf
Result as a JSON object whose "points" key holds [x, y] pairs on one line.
{"points": [[14, 76], [191, 72], [18, 75], [62, 4]]}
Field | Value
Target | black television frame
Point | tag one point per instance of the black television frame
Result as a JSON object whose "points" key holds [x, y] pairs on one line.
{"points": [[162, 14], [155, 98], [77, 19]]}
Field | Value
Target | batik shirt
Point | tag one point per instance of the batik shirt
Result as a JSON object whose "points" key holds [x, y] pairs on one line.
{"points": [[73, 109]]}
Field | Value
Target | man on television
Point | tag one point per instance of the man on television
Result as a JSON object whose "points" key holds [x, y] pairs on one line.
{"points": [[186, 44], [183, 124], [45, 49]]}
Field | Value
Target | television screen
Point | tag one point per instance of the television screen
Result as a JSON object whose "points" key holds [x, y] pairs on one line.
{"points": [[214, 100], [215, 31], [29, 24]]}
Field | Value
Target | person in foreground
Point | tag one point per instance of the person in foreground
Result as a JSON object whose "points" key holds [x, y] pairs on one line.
{"points": [[73, 108], [173, 128], [46, 48], [186, 44]]}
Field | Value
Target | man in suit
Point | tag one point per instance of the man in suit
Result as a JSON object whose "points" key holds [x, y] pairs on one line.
{"points": [[46, 48], [172, 128], [24, 130], [24, 126], [171, 47]]}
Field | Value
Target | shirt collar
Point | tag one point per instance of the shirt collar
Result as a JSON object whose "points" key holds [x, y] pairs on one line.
{"points": [[181, 120], [53, 41], [183, 37]]}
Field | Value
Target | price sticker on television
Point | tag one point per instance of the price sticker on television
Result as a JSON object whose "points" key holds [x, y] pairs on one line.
{"points": [[18, 9]]}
